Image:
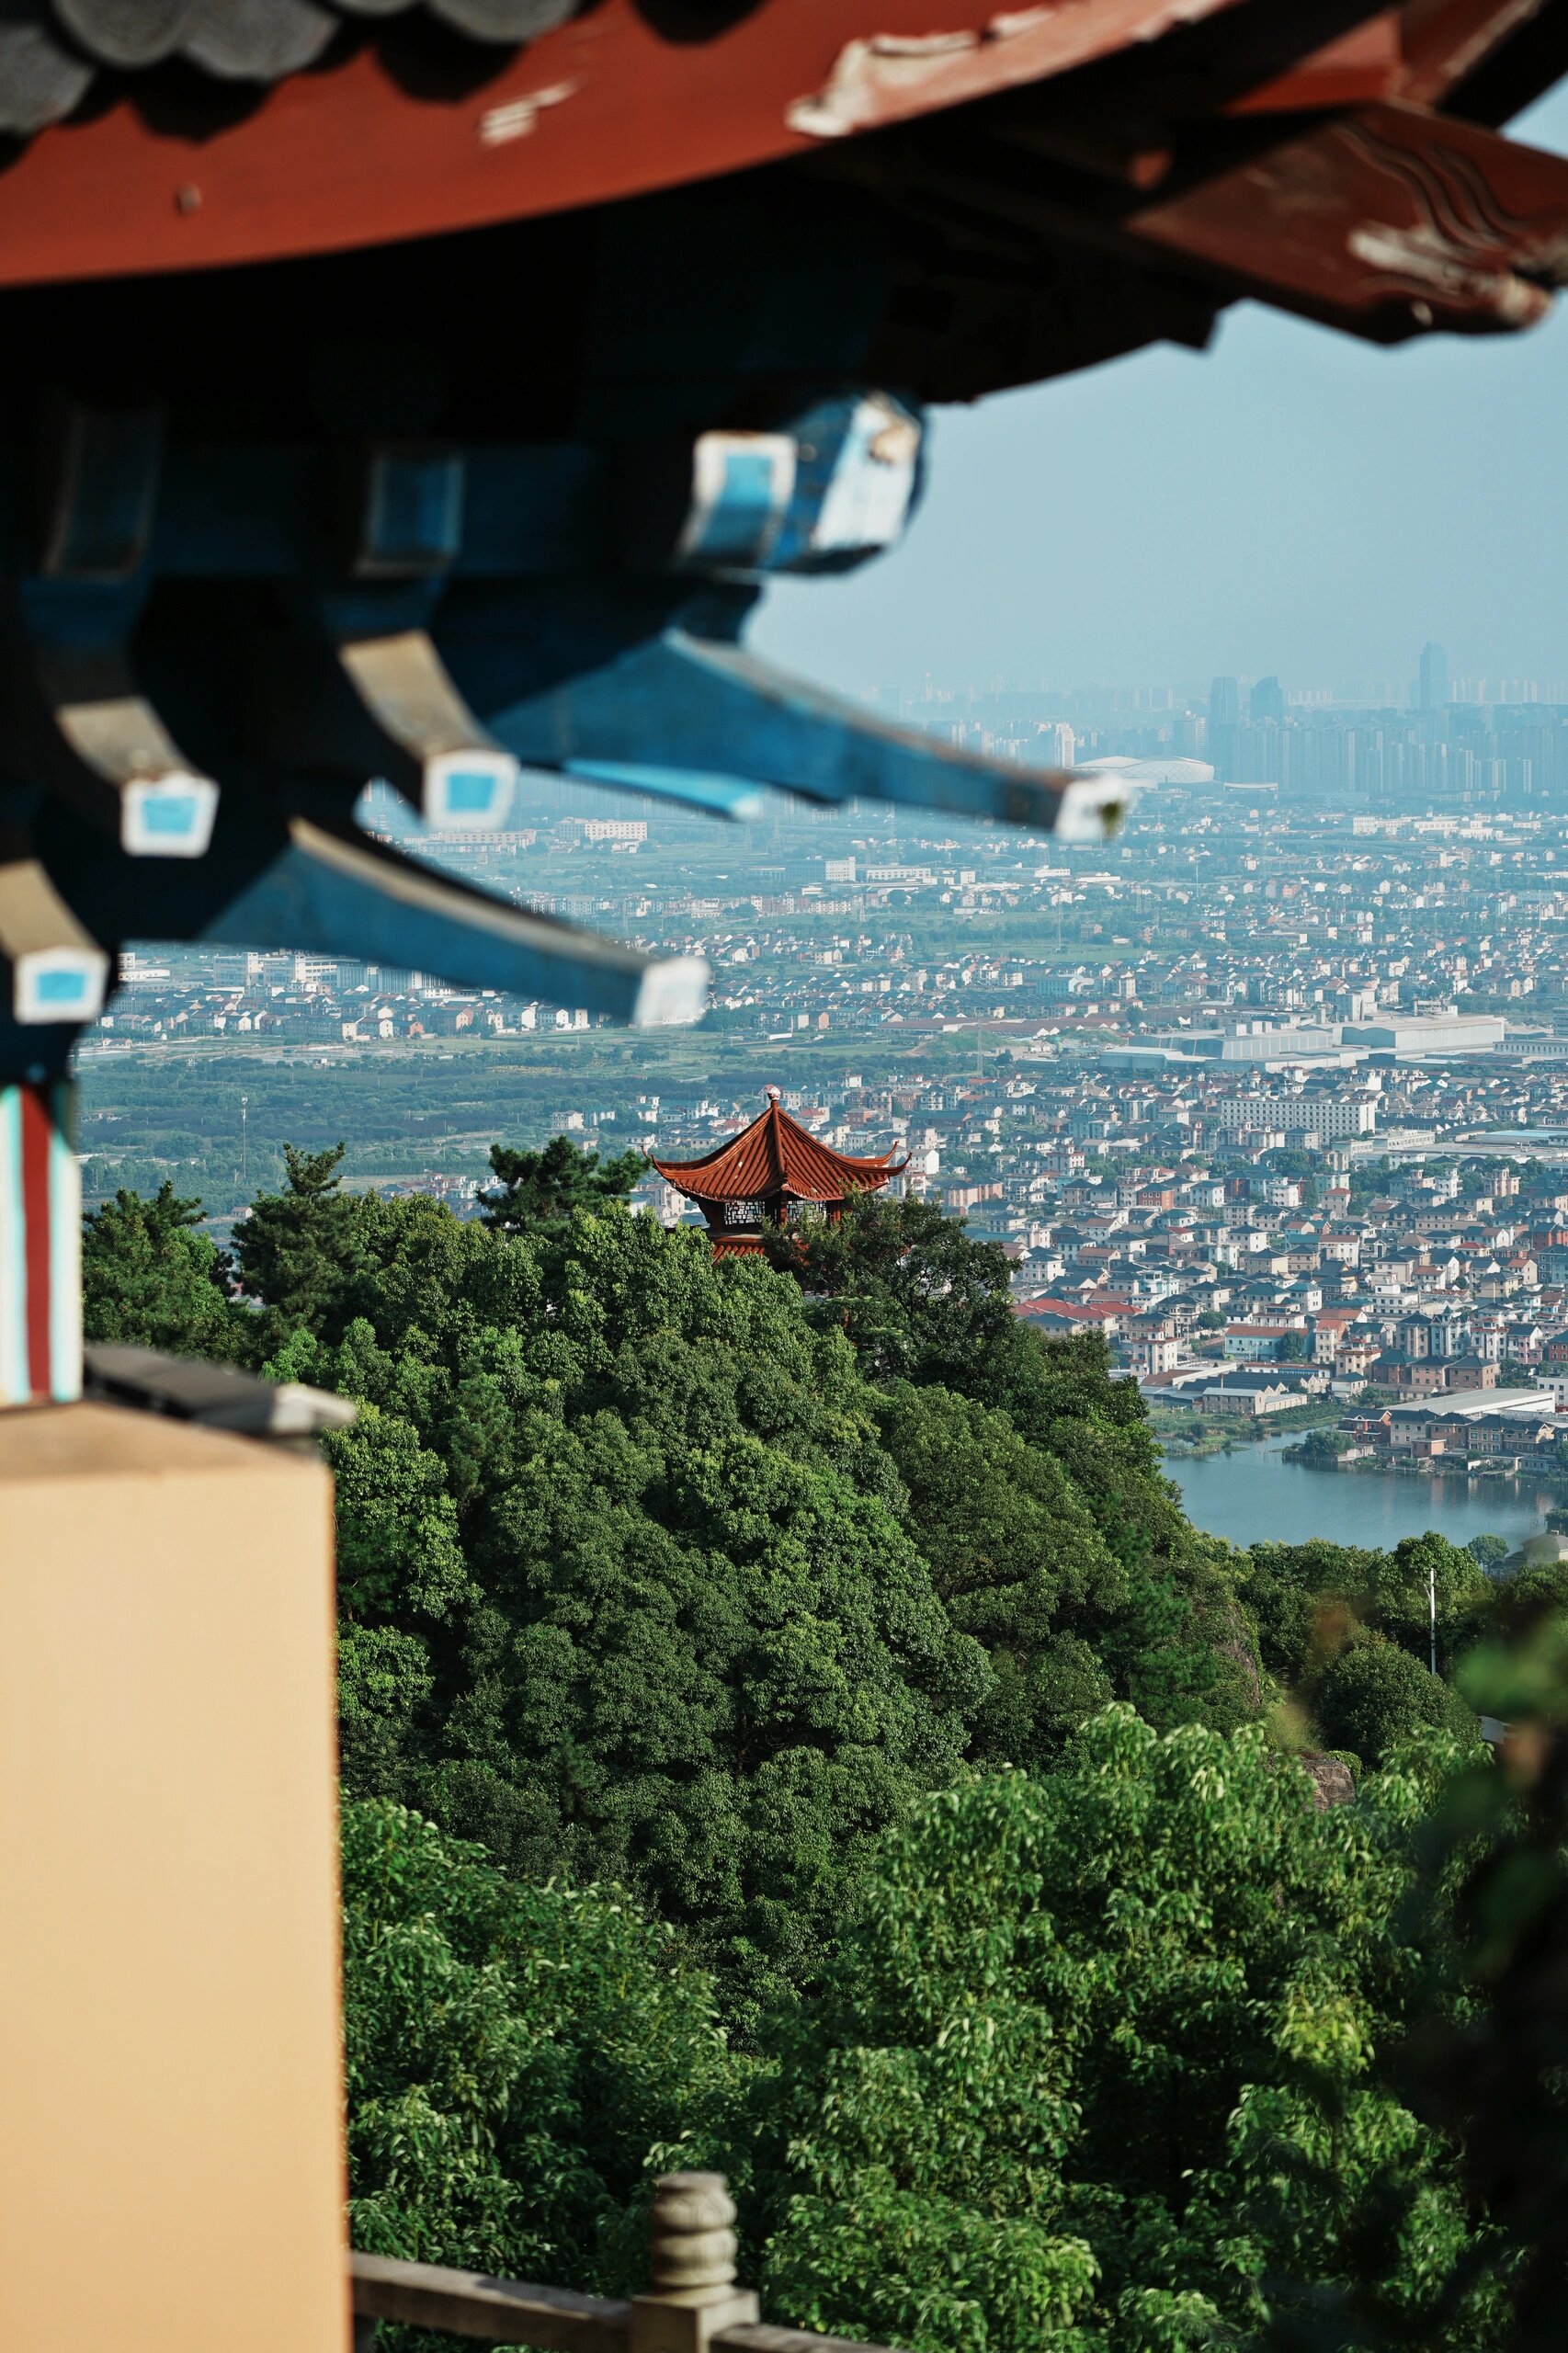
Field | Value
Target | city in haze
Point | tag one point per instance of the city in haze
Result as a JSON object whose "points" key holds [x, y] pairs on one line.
{"points": [[1283, 501], [1271, 1091]]}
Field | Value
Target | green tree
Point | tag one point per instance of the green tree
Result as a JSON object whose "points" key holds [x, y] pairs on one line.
{"points": [[1485, 2061], [1304, 1600], [691, 1646], [1289, 1160], [914, 1294], [401, 1575], [1405, 1583], [1069, 2077], [1307, 1600], [724, 1610], [299, 1251], [541, 1189], [1488, 1551], [151, 1278], [1015, 1556], [1375, 1695], [513, 2053], [642, 1580], [1544, 1587], [1481, 2060], [917, 1297]]}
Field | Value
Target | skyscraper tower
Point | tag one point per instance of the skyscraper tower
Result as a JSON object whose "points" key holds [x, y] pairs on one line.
{"points": [[1225, 703], [1434, 686], [1267, 701]]}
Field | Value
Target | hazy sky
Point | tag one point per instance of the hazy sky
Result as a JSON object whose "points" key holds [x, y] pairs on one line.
{"points": [[1290, 500]]}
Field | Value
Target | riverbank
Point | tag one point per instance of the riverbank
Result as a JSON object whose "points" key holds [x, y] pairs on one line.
{"points": [[1367, 1461], [1190, 1437], [1250, 1494]]}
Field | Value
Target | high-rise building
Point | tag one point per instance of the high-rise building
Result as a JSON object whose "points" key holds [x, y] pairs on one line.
{"points": [[1433, 691], [1267, 701], [1225, 703]]}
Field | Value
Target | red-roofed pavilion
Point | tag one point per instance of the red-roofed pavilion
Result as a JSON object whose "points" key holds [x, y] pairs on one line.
{"points": [[760, 1176]]}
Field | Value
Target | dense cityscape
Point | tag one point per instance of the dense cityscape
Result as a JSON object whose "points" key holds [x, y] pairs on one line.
{"points": [[1271, 1090]]}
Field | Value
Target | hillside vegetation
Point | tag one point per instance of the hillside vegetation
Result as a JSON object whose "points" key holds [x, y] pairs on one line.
{"points": [[789, 1723]]}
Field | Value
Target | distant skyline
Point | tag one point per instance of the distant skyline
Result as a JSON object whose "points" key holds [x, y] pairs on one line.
{"points": [[1290, 503]]}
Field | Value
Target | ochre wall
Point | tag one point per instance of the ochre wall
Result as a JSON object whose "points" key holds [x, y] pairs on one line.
{"points": [[170, 2095]]}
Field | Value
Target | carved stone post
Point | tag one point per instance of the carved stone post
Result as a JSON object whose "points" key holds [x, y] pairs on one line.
{"points": [[694, 2297]]}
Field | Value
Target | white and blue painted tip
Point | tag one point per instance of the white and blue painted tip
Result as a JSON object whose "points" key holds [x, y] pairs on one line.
{"points": [[1092, 807], [168, 816], [741, 487], [466, 789], [716, 796], [871, 488], [672, 993], [59, 984]]}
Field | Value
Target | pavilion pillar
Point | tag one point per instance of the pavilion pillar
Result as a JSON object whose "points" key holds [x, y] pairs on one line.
{"points": [[171, 2153], [40, 1244]]}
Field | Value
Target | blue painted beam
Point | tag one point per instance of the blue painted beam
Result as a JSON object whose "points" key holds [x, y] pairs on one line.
{"points": [[711, 796], [601, 679], [309, 881], [255, 511]]}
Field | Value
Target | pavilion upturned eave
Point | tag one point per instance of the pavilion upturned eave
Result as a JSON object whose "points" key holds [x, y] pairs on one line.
{"points": [[776, 1160]]}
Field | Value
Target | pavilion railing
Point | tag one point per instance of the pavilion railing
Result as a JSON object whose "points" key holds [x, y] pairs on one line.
{"points": [[692, 2306]]}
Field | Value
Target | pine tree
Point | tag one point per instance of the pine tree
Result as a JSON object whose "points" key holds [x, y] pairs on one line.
{"points": [[150, 1277], [542, 1189], [299, 1250]]}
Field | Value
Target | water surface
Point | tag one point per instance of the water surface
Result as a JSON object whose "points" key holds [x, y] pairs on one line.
{"points": [[1252, 1496]]}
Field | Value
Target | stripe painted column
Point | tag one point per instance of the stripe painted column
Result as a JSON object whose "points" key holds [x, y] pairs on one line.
{"points": [[41, 1245]]}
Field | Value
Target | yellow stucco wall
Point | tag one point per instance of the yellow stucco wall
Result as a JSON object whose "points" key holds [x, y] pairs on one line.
{"points": [[170, 2127]]}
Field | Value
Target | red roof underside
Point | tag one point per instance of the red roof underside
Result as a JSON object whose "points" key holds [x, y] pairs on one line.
{"points": [[776, 1155]]}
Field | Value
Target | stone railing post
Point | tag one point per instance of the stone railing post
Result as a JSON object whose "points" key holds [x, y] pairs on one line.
{"points": [[694, 2297]]}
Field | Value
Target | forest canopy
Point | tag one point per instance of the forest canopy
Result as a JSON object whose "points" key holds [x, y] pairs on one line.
{"points": [[789, 1723], [644, 1578]]}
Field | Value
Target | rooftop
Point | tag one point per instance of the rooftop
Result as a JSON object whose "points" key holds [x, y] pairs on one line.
{"points": [[777, 1157]]}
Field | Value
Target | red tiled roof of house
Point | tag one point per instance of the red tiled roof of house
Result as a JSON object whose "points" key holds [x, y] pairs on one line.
{"points": [[777, 1156], [1076, 1311]]}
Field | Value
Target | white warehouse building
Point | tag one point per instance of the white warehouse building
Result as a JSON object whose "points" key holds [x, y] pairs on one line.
{"points": [[1300, 1115], [1429, 1033]]}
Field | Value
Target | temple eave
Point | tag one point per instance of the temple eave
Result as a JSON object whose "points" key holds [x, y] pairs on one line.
{"points": [[756, 1179], [863, 1176]]}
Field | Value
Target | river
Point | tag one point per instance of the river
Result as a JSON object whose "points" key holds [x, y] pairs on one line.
{"points": [[1252, 1496]]}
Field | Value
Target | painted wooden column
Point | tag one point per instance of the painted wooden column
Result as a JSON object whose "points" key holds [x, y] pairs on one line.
{"points": [[40, 1244]]}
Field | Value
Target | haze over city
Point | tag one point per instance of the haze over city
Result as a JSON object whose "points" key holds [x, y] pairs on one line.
{"points": [[1287, 501]]}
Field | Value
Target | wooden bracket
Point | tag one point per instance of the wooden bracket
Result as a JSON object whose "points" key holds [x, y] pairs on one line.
{"points": [[99, 742], [99, 470], [54, 970], [307, 880], [725, 723], [465, 778], [111, 755]]}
